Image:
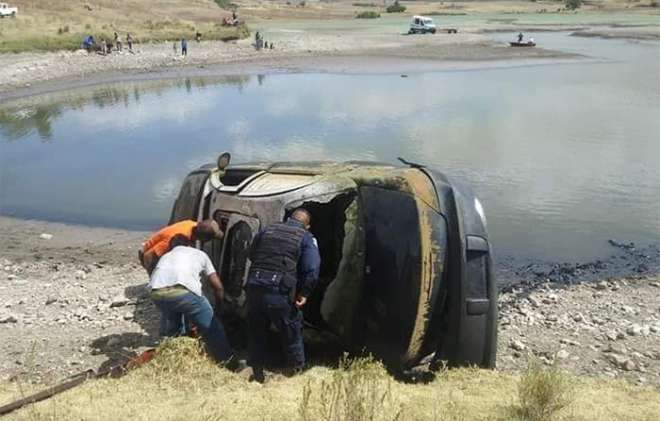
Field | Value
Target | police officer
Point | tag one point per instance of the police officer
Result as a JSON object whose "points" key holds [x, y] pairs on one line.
{"points": [[285, 268]]}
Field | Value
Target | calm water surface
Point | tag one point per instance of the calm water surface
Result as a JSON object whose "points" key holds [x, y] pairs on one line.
{"points": [[563, 156]]}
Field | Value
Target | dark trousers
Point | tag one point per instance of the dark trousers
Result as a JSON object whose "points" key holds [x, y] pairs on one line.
{"points": [[266, 307]]}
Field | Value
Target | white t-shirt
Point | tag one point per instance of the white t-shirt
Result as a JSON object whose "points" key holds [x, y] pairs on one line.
{"points": [[182, 266]]}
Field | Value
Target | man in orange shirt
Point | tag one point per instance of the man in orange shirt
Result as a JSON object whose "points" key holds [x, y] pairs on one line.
{"points": [[159, 243]]}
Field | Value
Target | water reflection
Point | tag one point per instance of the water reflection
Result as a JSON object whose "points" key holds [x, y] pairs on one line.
{"points": [[563, 157], [24, 117]]}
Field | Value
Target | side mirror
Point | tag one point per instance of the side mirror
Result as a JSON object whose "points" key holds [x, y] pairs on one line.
{"points": [[223, 160]]}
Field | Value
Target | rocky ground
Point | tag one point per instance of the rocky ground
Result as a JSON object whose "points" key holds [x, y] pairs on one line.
{"points": [[74, 299]]}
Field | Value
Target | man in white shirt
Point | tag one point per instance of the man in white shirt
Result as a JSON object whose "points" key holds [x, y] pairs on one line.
{"points": [[176, 289]]}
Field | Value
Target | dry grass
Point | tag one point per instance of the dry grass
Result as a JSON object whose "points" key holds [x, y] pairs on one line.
{"points": [[62, 24], [182, 384], [544, 394]]}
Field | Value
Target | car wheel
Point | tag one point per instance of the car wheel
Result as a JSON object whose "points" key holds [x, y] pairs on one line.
{"points": [[433, 31]]}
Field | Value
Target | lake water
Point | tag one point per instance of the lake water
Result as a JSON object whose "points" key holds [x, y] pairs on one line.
{"points": [[563, 156]]}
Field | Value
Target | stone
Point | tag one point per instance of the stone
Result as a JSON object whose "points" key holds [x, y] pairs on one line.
{"points": [[45, 236], [128, 316], [602, 285], [119, 302], [616, 348], [51, 300], [517, 345], [578, 317], [8, 319], [550, 299], [534, 301], [563, 354], [80, 275], [621, 362], [637, 330]]}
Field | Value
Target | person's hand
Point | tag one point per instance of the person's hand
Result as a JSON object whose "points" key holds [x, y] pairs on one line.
{"points": [[219, 297], [300, 301]]}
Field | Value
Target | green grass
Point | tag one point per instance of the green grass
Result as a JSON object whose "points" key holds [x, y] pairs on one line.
{"points": [[72, 41], [181, 383]]}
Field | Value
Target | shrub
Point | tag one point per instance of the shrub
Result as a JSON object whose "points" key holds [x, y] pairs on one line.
{"points": [[654, 3], [223, 4], [396, 8], [573, 4], [368, 15], [543, 393], [360, 390]]}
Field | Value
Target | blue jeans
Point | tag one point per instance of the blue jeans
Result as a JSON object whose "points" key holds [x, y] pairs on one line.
{"points": [[197, 310]]}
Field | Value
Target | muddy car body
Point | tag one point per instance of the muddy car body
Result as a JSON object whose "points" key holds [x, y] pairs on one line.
{"points": [[406, 263]]}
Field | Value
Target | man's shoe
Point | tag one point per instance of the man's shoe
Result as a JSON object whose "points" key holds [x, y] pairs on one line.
{"points": [[258, 376], [235, 365], [294, 371]]}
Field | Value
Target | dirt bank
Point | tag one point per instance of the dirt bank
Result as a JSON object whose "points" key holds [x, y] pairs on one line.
{"points": [[74, 299]]}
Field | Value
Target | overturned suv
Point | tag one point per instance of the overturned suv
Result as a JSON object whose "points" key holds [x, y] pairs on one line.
{"points": [[406, 262]]}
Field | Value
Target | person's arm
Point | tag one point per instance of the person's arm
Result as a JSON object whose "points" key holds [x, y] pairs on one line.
{"points": [[218, 289], [309, 266], [213, 280]]}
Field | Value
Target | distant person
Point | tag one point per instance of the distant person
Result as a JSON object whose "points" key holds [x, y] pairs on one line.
{"points": [[104, 46], [117, 42], [184, 47], [129, 42], [520, 37], [198, 36], [271, 45], [234, 16], [176, 289], [88, 43], [158, 244]]}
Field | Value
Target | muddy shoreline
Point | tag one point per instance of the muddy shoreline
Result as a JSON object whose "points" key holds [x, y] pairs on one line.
{"points": [[33, 73]]}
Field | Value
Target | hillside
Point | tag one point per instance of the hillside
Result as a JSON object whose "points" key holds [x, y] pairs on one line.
{"points": [[62, 24]]}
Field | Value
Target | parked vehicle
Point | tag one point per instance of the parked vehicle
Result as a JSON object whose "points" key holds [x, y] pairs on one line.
{"points": [[6, 10], [421, 25], [406, 261]]}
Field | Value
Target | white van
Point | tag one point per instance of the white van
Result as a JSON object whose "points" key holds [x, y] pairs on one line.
{"points": [[421, 25], [5, 10]]}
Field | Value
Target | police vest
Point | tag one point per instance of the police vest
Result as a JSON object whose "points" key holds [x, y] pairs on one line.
{"points": [[275, 257]]}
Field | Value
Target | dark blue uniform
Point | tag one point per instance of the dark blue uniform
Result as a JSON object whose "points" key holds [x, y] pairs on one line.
{"points": [[285, 259]]}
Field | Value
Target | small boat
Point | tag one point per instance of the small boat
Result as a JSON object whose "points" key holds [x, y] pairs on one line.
{"points": [[523, 44]]}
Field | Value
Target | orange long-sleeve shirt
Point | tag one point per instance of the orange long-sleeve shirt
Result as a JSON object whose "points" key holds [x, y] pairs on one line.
{"points": [[159, 243]]}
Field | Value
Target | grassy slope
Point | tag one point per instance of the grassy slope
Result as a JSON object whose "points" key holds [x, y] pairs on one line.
{"points": [[179, 384], [61, 24]]}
